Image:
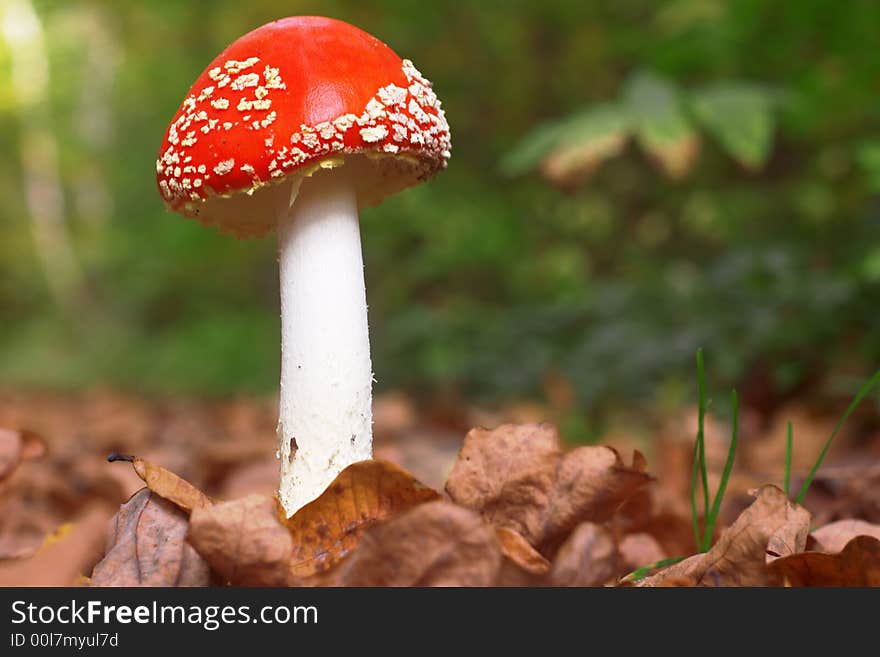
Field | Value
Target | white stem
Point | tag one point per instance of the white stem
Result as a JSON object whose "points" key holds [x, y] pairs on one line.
{"points": [[325, 414]]}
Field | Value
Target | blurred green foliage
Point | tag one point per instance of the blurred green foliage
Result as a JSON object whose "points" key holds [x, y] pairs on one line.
{"points": [[758, 236]]}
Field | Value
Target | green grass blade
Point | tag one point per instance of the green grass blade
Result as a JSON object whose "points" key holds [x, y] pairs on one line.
{"points": [[704, 476], [694, 516], [725, 475], [863, 392], [789, 446], [640, 573], [699, 473], [701, 436]]}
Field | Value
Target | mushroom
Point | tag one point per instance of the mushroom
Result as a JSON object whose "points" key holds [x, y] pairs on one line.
{"points": [[292, 129]]}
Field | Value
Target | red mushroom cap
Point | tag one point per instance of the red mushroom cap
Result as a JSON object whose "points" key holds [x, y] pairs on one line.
{"points": [[285, 99]]}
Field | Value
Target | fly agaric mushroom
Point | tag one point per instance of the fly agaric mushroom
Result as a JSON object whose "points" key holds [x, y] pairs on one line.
{"points": [[292, 129]]}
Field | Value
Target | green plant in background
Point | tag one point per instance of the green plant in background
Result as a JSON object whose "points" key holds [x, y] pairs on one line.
{"points": [[713, 249], [663, 119]]}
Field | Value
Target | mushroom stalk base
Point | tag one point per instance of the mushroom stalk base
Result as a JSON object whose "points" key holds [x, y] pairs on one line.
{"points": [[325, 415]]}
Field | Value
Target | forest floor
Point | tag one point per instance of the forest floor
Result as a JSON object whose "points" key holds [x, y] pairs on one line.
{"points": [[513, 504]]}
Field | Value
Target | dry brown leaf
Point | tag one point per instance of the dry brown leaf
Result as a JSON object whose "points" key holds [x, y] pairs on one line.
{"points": [[257, 477], [230, 454], [62, 560], [834, 537], [518, 550], [771, 527], [427, 453], [636, 512], [18, 446], [681, 581], [858, 564], [674, 532], [644, 512], [588, 558], [393, 414], [638, 550], [249, 542], [328, 528], [434, 544], [244, 540], [847, 490], [517, 476], [32, 506], [166, 484], [147, 547]]}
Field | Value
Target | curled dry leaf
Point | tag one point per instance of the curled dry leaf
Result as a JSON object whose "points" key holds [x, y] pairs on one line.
{"points": [[64, 557], [517, 476], [588, 558], [771, 527], [328, 528], [434, 544], [18, 446], [858, 564], [518, 550], [147, 547], [834, 537], [244, 540], [166, 484]]}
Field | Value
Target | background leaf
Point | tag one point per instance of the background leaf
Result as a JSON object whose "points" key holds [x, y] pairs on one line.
{"points": [[740, 117], [570, 148], [662, 128], [868, 156]]}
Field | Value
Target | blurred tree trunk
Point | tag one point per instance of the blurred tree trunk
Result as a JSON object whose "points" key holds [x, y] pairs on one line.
{"points": [[38, 151]]}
